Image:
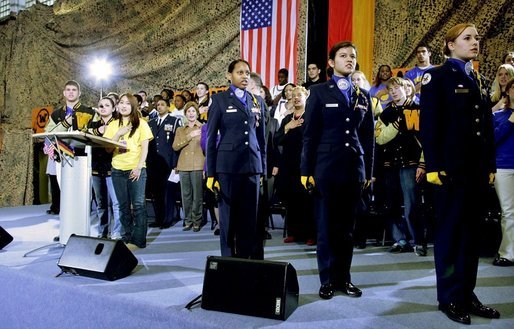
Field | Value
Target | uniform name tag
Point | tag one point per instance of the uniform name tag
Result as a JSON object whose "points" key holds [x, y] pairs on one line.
{"points": [[332, 105], [168, 127], [462, 91], [231, 110]]}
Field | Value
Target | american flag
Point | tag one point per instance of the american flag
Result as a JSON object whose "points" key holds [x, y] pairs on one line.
{"points": [[49, 148], [268, 37]]}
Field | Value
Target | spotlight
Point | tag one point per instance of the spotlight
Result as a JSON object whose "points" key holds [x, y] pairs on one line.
{"points": [[101, 69]]}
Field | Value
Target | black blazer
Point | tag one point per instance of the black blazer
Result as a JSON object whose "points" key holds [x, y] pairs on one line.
{"points": [[456, 123], [242, 140], [160, 152], [338, 138]]}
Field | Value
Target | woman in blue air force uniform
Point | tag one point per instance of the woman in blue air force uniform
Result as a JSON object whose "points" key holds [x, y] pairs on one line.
{"points": [[235, 165], [458, 144], [337, 158]]}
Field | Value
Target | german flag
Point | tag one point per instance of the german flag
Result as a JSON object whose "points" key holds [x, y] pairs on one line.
{"points": [[65, 148]]}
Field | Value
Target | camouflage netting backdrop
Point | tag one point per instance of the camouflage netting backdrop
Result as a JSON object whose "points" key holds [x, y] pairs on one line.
{"points": [[158, 43]]}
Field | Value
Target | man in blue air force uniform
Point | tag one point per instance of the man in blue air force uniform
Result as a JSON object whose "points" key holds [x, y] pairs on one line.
{"points": [[235, 165], [336, 163]]}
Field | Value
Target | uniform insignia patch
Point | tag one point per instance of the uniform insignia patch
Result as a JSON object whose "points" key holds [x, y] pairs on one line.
{"points": [[426, 79], [343, 84], [468, 68], [239, 93]]}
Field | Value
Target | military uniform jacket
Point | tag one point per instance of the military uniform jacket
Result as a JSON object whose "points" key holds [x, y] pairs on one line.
{"points": [[160, 151], [242, 141], [456, 123], [338, 138]]}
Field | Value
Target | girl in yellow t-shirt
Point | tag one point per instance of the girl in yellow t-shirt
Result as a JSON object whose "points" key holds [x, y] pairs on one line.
{"points": [[128, 169]]}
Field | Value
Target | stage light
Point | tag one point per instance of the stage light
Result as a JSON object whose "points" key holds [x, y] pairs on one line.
{"points": [[101, 69]]}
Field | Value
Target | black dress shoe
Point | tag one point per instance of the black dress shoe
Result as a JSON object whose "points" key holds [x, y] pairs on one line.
{"points": [[154, 224], [326, 291], [349, 289], [483, 311], [504, 262], [455, 313]]}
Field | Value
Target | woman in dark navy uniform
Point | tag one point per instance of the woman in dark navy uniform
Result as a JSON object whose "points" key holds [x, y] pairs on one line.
{"points": [[236, 163], [337, 158], [458, 143]]}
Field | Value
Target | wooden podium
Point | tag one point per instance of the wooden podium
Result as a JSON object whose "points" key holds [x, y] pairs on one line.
{"points": [[76, 181]]}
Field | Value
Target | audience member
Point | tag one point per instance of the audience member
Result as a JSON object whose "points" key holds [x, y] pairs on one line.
{"points": [[379, 89], [276, 91], [161, 160], [398, 131], [299, 203], [313, 72], [504, 73], [190, 167], [101, 181], [504, 180], [204, 100]]}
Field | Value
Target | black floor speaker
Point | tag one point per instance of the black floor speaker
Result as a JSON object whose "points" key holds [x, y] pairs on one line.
{"points": [[250, 287], [97, 258], [5, 238]]}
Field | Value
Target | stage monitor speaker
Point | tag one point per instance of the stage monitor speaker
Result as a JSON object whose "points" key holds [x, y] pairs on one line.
{"points": [[5, 238], [97, 258], [250, 287]]}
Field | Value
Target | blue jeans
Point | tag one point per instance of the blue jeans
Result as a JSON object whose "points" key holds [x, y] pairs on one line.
{"points": [[402, 182], [131, 193], [105, 199]]}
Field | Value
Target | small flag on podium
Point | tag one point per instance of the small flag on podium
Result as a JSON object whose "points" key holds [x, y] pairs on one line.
{"points": [[49, 148], [65, 148]]}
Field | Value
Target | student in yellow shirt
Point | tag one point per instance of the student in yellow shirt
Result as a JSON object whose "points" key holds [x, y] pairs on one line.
{"points": [[129, 169]]}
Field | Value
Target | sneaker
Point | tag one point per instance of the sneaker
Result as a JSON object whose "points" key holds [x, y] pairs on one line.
{"points": [[187, 228], [396, 248], [196, 228], [420, 251], [115, 237]]}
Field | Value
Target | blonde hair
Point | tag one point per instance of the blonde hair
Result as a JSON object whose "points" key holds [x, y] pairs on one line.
{"points": [[496, 88], [367, 85], [301, 89]]}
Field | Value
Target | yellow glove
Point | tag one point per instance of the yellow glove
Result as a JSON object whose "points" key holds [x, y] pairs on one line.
{"points": [[433, 177], [211, 184], [367, 183], [307, 180], [491, 178]]}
